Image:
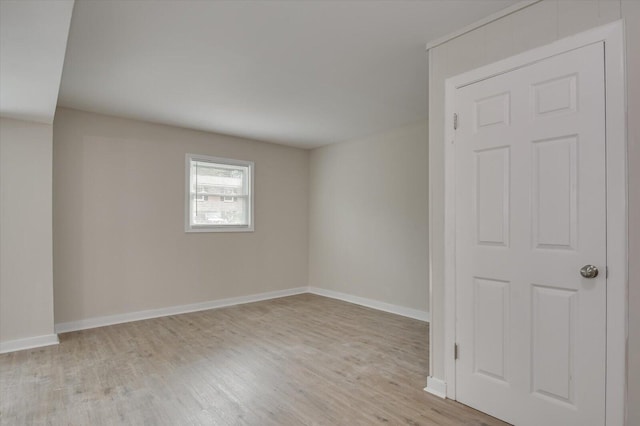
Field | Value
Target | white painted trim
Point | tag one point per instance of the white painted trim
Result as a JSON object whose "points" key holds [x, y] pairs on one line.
{"points": [[617, 238], [617, 226], [28, 343], [220, 303], [482, 22], [374, 304], [173, 310], [431, 248], [436, 387]]}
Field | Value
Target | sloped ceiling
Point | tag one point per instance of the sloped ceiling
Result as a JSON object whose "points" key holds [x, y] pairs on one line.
{"points": [[33, 39], [302, 73]]}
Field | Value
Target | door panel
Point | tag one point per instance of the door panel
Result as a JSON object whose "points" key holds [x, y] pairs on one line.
{"points": [[492, 111], [492, 196], [530, 212], [491, 334], [554, 193], [554, 97], [553, 326]]}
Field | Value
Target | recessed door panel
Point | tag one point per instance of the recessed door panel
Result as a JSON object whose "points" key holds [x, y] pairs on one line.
{"points": [[492, 111], [555, 193], [492, 196], [554, 313], [555, 97], [491, 327]]}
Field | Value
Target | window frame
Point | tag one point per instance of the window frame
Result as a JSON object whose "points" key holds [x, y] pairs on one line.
{"points": [[188, 227]]}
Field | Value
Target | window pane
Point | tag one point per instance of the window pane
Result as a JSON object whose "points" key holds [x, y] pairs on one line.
{"points": [[219, 194], [219, 210], [219, 179]]}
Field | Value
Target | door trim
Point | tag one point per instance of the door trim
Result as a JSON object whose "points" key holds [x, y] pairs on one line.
{"points": [[616, 174]]}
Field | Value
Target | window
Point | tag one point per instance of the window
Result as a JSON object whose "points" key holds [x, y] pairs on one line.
{"points": [[219, 194]]}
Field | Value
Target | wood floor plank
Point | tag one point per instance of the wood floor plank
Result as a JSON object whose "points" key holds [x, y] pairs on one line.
{"points": [[299, 360]]}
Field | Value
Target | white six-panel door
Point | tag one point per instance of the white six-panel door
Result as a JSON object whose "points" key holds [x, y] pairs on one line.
{"points": [[530, 213]]}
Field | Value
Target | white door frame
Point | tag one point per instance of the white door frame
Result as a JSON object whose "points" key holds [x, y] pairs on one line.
{"points": [[616, 175]]}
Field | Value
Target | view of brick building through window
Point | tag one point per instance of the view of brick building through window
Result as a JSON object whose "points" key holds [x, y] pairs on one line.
{"points": [[219, 194]]}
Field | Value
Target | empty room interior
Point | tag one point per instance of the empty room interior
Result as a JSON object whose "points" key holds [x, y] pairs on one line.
{"points": [[318, 212]]}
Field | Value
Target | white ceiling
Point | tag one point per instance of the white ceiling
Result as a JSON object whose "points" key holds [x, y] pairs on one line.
{"points": [[301, 73], [33, 38]]}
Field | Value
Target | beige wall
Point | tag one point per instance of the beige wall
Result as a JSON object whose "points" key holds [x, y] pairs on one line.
{"points": [[368, 217], [26, 281], [118, 219], [531, 27]]}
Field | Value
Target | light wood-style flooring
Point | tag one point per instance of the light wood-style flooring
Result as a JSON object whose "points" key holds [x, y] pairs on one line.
{"points": [[300, 360]]}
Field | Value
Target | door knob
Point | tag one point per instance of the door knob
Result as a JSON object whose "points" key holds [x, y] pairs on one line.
{"points": [[589, 271]]}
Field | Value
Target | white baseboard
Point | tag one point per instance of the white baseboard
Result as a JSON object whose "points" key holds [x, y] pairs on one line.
{"points": [[374, 304], [436, 387], [52, 339], [95, 322], [84, 324], [28, 343]]}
